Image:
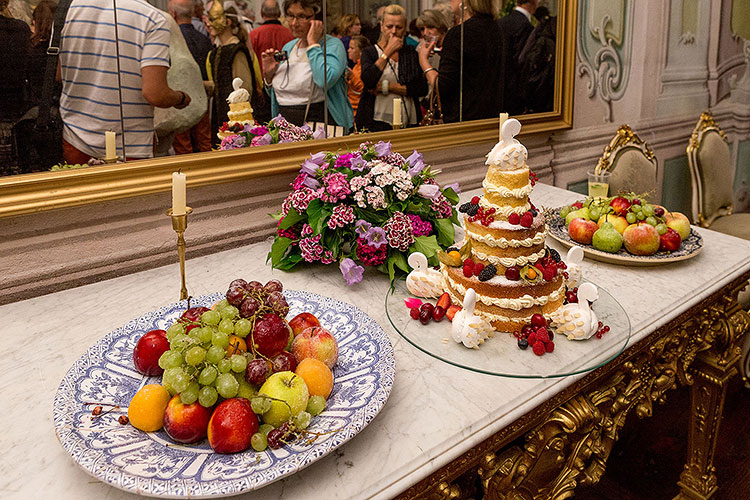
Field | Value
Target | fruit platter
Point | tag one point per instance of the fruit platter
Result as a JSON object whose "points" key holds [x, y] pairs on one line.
{"points": [[625, 229], [225, 394], [503, 354]]}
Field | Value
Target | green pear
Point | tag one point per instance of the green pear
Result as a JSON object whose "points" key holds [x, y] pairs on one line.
{"points": [[581, 212], [607, 239]]}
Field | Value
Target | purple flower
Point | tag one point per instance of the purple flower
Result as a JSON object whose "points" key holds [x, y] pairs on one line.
{"points": [[362, 227], [261, 140], [351, 271], [376, 237], [311, 182], [318, 158], [259, 130], [429, 191], [416, 163], [454, 187], [383, 148], [309, 167], [232, 142], [344, 160], [358, 163], [320, 133]]}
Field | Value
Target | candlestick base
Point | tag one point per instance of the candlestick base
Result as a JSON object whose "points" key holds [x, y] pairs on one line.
{"points": [[397, 127], [179, 224], [112, 160]]}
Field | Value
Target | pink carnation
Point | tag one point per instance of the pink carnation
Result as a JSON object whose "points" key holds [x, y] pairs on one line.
{"points": [[341, 216], [335, 187], [399, 232], [311, 248], [370, 255], [421, 227]]}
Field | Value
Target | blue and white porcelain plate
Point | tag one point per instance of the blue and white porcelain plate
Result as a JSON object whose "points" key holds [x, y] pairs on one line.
{"points": [[151, 464]]}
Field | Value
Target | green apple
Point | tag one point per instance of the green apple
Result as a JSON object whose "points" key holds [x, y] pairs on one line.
{"points": [[290, 395]]}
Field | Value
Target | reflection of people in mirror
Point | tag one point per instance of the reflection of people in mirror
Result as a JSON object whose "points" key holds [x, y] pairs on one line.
{"points": [[356, 86], [90, 96], [271, 34], [230, 59], [537, 62], [483, 73], [390, 70], [347, 27], [296, 84], [516, 27], [433, 26]]}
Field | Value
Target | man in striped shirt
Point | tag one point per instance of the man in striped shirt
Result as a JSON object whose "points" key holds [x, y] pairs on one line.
{"points": [[94, 97]]}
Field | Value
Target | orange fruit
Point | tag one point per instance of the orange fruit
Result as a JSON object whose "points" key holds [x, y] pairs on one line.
{"points": [[237, 345], [146, 409], [317, 376]]}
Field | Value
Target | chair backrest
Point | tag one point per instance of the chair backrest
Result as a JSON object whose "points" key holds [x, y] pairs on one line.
{"points": [[632, 165], [711, 171]]}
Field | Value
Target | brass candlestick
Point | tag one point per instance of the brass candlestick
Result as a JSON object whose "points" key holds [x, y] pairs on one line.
{"points": [[398, 127], [179, 224]]}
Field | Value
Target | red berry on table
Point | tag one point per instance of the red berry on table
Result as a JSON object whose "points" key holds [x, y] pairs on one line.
{"points": [[537, 320], [527, 219], [444, 301], [549, 273], [514, 218], [542, 334], [427, 307], [451, 311], [414, 313], [531, 338], [438, 313], [475, 200], [425, 315], [538, 348], [549, 346], [513, 273], [478, 268]]}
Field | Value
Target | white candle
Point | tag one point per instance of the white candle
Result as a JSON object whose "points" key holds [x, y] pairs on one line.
{"points": [[397, 111], [109, 145], [503, 117], [178, 194]]}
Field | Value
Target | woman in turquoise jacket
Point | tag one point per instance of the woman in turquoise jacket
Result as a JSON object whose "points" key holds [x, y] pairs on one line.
{"points": [[295, 77]]}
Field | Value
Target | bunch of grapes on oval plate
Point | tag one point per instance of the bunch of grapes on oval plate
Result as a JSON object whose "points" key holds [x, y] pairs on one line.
{"points": [[237, 373]]}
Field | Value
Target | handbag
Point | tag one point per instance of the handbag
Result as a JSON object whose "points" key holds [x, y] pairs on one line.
{"points": [[434, 114]]}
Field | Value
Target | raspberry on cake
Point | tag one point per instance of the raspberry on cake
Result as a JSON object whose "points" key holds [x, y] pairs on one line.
{"points": [[513, 240]]}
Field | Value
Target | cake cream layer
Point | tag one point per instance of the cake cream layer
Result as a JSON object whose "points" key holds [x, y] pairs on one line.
{"points": [[504, 244], [499, 287], [240, 111]]}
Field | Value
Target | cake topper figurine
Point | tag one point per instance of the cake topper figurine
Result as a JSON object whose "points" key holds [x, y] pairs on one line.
{"points": [[468, 328], [573, 260], [508, 154], [578, 321], [423, 281]]}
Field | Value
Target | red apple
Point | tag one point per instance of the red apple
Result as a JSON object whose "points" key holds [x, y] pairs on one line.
{"points": [[582, 230], [641, 239], [620, 205], [231, 426], [186, 423], [303, 321], [670, 241], [194, 313], [679, 223], [619, 223], [270, 335], [317, 342], [148, 350]]}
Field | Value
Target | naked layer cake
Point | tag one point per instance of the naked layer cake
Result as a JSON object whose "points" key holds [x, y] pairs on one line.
{"points": [[240, 112], [503, 256]]}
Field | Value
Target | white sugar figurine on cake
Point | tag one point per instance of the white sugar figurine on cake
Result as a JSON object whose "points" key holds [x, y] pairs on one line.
{"points": [[240, 112]]}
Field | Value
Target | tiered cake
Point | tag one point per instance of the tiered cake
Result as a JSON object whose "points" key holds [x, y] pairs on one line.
{"points": [[240, 112], [503, 257]]}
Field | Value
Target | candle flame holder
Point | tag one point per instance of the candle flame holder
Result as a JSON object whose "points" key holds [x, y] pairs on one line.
{"points": [[112, 160], [398, 127], [179, 224]]}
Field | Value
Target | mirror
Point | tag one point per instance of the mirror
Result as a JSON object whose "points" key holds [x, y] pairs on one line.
{"points": [[46, 190]]}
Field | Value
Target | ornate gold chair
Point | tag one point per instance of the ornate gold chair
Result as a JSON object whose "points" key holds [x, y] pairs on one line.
{"points": [[712, 177], [632, 165]]}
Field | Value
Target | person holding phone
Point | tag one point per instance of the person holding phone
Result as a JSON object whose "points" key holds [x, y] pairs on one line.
{"points": [[390, 69], [295, 78]]}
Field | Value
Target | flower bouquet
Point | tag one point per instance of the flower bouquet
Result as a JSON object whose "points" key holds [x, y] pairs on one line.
{"points": [[276, 131], [369, 207]]}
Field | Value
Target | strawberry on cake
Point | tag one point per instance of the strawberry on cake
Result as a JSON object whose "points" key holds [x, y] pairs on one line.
{"points": [[503, 257]]}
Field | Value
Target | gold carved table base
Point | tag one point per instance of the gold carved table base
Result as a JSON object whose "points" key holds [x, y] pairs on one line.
{"points": [[566, 441]]}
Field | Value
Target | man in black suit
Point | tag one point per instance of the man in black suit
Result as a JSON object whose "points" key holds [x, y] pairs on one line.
{"points": [[516, 28]]}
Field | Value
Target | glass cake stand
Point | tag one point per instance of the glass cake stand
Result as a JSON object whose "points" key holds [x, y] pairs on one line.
{"points": [[499, 355]]}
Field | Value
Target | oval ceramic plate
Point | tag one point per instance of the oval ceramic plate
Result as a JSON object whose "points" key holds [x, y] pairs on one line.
{"points": [[690, 247], [152, 464]]}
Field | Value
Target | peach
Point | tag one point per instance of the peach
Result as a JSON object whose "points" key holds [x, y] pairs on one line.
{"points": [[317, 342], [186, 423], [303, 321], [679, 223], [582, 230], [641, 239], [317, 376]]}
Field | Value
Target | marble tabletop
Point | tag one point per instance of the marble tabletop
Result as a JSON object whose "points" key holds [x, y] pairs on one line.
{"points": [[435, 412]]}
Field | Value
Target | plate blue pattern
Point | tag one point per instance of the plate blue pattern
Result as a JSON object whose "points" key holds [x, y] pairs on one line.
{"points": [[151, 464]]}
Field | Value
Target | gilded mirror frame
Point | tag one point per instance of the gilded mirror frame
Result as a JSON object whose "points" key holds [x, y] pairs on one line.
{"points": [[29, 193]]}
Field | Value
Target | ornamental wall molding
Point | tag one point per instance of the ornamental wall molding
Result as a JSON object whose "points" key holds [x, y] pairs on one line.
{"points": [[600, 57]]}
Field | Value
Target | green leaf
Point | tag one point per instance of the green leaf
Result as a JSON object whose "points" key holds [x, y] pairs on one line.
{"points": [[450, 195], [396, 259], [371, 216], [278, 249], [424, 244], [291, 219], [332, 241], [277, 216], [289, 262], [445, 232]]}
